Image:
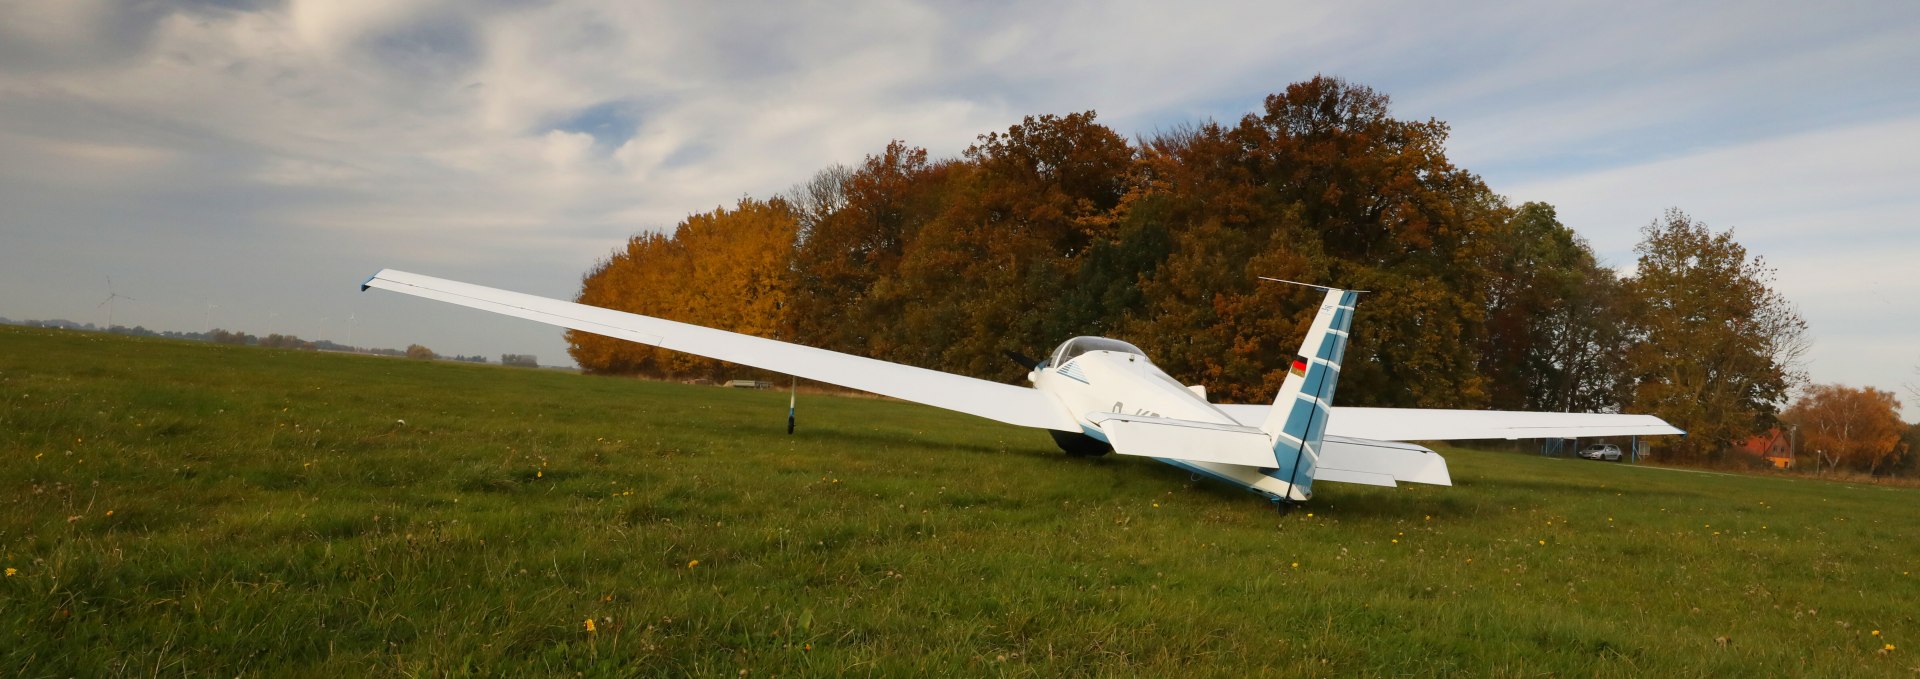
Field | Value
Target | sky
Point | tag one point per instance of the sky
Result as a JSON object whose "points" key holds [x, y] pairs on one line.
{"points": [[247, 164]]}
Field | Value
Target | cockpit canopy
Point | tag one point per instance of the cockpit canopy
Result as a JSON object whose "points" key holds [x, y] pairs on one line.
{"points": [[1080, 345]]}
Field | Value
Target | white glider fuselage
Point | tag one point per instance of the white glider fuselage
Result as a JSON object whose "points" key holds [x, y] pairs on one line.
{"points": [[1107, 381], [1118, 386]]}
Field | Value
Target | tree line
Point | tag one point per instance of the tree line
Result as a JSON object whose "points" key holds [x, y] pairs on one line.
{"points": [[1059, 226]]}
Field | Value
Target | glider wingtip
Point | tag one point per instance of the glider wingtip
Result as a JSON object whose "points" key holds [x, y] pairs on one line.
{"points": [[368, 283]]}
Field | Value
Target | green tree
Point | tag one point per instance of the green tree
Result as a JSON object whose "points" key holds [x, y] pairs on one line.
{"points": [[1717, 348]]}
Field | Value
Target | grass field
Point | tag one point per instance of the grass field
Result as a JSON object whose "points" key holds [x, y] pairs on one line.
{"points": [[171, 508]]}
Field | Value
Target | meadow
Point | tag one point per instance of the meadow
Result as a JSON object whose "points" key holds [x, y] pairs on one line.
{"points": [[172, 508]]}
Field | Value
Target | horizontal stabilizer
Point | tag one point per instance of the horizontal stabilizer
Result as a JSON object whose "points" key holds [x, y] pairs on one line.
{"points": [[1186, 440], [1420, 424], [1379, 463]]}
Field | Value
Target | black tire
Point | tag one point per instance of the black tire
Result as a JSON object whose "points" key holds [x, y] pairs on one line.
{"points": [[1080, 445]]}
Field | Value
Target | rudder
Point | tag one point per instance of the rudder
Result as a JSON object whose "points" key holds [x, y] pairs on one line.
{"points": [[1298, 421]]}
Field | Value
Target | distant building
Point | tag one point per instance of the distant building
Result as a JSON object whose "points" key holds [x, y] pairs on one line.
{"points": [[1774, 446]]}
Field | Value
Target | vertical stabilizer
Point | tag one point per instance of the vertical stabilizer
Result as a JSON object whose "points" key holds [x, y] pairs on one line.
{"points": [[1298, 421]]}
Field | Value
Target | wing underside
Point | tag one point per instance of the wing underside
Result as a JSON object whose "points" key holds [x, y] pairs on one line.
{"points": [[1415, 424], [1007, 403]]}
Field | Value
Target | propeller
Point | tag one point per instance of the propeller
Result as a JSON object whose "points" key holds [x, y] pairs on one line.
{"points": [[1027, 363]]}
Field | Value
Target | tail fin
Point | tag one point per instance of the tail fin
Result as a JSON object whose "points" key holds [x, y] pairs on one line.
{"points": [[1298, 421]]}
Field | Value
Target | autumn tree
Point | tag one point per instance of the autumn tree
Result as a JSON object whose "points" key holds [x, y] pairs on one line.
{"points": [[1907, 462], [987, 274], [1058, 226], [417, 351], [856, 226], [1323, 185], [1842, 426], [725, 269], [1555, 320], [1717, 348]]}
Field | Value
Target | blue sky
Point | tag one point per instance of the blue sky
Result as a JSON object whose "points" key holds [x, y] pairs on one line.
{"points": [[249, 163]]}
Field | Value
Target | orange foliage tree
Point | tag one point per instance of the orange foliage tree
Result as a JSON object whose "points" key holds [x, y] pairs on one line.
{"points": [[1058, 226], [1841, 426], [724, 269]]}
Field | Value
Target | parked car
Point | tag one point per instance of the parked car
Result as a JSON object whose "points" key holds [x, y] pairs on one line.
{"points": [[1601, 451]]}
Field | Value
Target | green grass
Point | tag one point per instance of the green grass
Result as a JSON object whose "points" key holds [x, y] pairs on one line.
{"points": [[176, 508]]}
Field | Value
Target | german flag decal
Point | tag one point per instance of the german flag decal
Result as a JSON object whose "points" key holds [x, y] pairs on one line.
{"points": [[1299, 368]]}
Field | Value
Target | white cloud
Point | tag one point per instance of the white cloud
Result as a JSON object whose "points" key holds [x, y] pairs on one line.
{"points": [[1832, 211], [313, 141]]}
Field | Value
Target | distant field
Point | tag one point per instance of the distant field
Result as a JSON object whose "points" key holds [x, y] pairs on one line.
{"points": [[175, 508]]}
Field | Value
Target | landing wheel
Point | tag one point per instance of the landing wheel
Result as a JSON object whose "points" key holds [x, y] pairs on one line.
{"points": [[1080, 445]]}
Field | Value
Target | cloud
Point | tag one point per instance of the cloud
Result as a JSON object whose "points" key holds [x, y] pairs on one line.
{"points": [[296, 144], [1832, 211]]}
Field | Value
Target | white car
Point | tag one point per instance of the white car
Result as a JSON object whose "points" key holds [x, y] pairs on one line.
{"points": [[1602, 451]]}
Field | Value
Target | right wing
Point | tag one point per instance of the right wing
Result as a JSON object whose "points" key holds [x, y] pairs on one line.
{"points": [[1024, 406], [1420, 424]]}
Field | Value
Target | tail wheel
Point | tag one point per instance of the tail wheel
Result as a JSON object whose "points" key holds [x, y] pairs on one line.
{"points": [[1080, 445]]}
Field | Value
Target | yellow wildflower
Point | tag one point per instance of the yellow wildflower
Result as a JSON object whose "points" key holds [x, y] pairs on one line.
{"points": [[539, 474], [1543, 542], [1296, 564], [1889, 647], [12, 571], [590, 628], [1876, 633], [693, 563], [109, 512]]}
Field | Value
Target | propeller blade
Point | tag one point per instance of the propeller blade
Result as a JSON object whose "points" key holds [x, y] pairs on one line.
{"points": [[1025, 361]]}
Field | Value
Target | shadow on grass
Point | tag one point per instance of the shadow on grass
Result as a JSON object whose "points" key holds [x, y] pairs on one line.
{"points": [[1218, 490], [868, 439]]}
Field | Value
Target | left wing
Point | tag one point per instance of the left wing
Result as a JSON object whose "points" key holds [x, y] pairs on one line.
{"points": [[1024, 406], [1419, 424]]}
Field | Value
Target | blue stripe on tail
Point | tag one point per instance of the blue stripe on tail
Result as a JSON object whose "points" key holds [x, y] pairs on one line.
{"points": [[1298, 421]]}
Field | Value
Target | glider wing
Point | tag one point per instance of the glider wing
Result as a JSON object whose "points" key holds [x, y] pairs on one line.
{"points": [[1007, 403]]}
